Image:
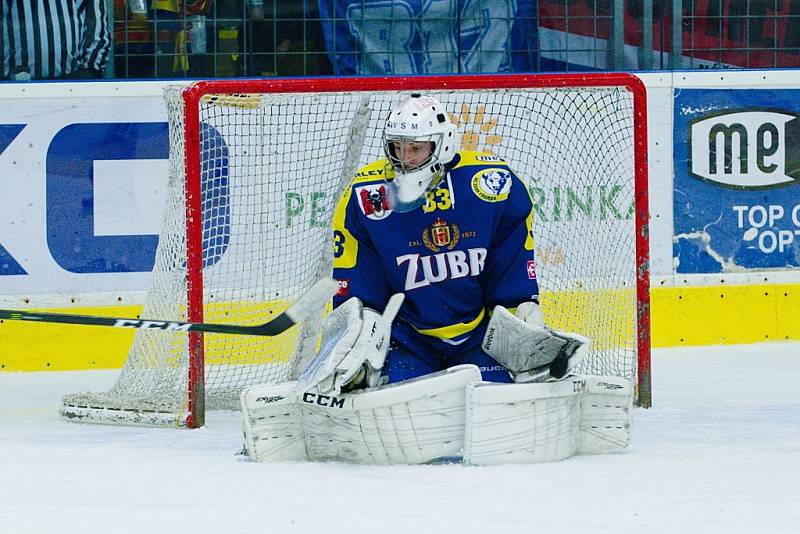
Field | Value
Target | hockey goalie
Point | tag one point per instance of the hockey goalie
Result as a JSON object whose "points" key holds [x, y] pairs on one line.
{"points": [[436, 347]]}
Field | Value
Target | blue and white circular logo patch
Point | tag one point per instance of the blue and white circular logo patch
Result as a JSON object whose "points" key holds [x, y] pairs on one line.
{"points": [[492, 185]]}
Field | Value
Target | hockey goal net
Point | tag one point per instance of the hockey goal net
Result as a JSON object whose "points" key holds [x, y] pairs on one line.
{"points": [[256, 166]]}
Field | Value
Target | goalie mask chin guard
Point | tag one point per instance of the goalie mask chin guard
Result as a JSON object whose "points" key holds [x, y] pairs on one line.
{"points": [[417, 119]]}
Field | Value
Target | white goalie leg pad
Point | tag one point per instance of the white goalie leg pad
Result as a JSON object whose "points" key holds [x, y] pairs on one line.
{"points": [[273, 428], [544, 422], [411, 422], [522, 423], [605, 414]]}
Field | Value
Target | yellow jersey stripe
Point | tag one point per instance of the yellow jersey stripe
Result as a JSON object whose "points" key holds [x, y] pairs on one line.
{"points": [[454, 330]]}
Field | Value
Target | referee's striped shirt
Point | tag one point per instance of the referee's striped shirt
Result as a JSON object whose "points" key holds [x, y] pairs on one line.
{"points": [[52, 38]]}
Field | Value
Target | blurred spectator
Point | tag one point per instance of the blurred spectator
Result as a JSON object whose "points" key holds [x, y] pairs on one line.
{"points": [[218, 38], [48, 39], [285, 39], [155, 38], [421, 37]]}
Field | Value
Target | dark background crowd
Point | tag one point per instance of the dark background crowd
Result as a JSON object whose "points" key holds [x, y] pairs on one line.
{"points": [[142, 39]]}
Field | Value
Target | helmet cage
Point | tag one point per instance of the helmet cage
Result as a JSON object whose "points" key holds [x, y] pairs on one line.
{"points": [[398, 160]]}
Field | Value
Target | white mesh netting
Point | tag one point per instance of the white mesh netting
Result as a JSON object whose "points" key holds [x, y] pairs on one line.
{"points": [[271, 170]]}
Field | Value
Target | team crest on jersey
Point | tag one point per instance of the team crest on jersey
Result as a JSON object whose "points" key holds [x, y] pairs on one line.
{"points": [[492, 185], [373, 202], [440, 235]]}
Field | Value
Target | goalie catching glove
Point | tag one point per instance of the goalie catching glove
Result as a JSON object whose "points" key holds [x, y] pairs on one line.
{"points": [[355, 341], [528, 349]]}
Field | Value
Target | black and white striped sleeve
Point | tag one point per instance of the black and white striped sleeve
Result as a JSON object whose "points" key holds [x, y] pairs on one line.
{"points": [[44, 39], [96, 36]]}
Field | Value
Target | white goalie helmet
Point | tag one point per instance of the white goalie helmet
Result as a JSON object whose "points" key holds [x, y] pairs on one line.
{"points": [[414, 125]]}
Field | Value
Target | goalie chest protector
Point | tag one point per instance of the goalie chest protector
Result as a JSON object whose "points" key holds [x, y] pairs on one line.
{"points": [[468, 248]]}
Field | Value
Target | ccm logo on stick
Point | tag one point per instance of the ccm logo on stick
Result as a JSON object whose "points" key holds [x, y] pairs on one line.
{"points": [[153, 325]]}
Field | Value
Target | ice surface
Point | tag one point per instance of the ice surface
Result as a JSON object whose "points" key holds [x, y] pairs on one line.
{"points": [[718, 453]]}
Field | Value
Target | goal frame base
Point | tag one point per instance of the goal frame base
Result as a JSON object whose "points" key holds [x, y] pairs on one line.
{"points": [[93, 408]]}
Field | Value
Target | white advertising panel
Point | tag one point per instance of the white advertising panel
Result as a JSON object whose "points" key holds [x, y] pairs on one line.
{"points": [[83, 171]]}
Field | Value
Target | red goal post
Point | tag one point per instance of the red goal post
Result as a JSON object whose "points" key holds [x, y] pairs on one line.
{"points": [[250, 158]]}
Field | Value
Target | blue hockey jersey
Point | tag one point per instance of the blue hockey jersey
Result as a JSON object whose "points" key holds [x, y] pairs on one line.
{"points": [[467, 249]]}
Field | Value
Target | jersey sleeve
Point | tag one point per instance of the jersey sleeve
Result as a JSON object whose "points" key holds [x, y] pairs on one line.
{"points": [[356, 264], [96, 37], [509, 277]]}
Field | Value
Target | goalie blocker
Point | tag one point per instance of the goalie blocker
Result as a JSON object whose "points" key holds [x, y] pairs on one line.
{"points": [[440, 416]]}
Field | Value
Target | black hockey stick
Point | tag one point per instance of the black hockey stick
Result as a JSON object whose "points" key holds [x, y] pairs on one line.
{"points": [[316, 297]]}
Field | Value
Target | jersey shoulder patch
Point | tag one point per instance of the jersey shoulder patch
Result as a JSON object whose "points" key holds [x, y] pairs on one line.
{"points": [[492, 184], [488, 175], [369, 191]]}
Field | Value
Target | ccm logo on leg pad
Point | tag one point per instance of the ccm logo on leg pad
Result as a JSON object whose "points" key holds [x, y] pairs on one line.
{"points": [[323, 400]]}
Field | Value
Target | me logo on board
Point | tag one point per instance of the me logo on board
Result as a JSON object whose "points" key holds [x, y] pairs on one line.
{"points": [[747, 149]]}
